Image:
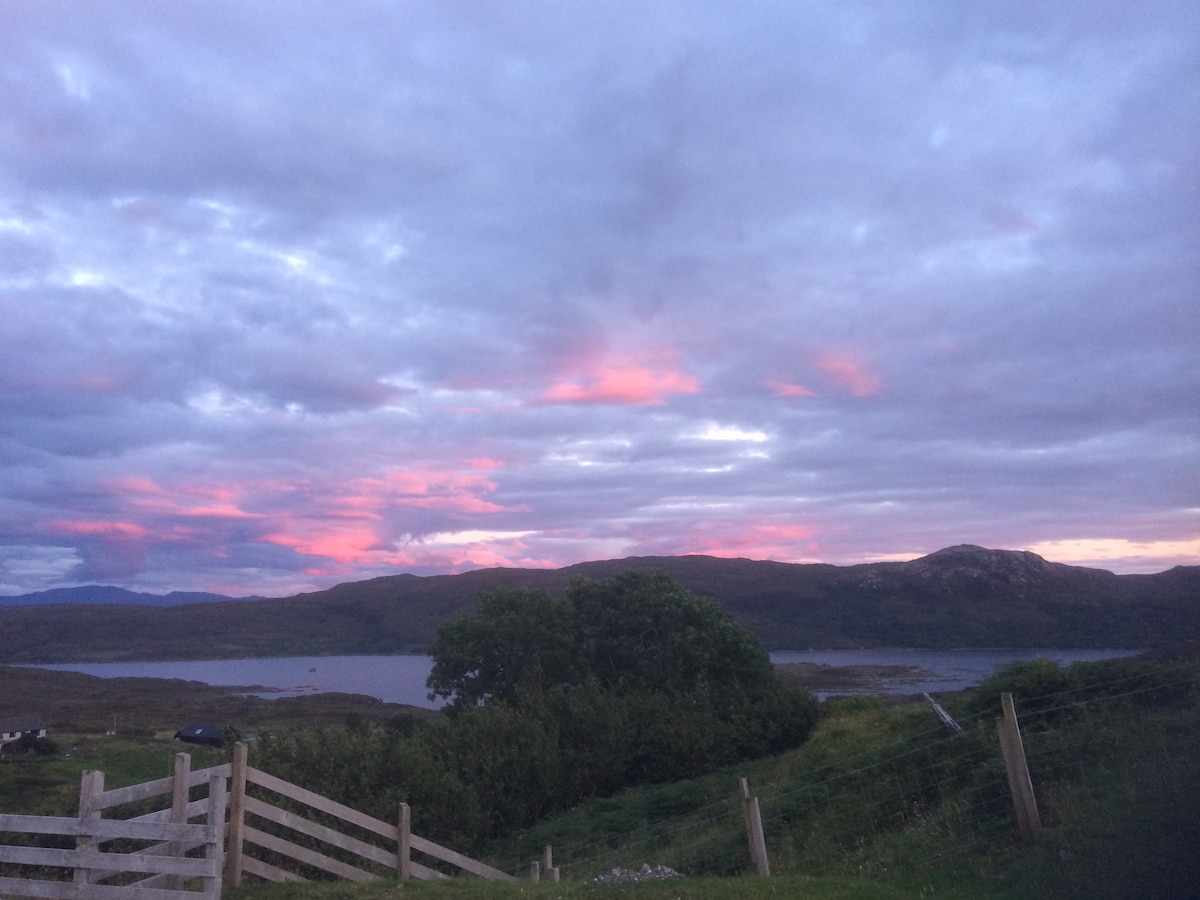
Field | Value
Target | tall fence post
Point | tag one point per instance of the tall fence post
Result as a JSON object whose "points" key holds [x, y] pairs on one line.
{"points": [[752, 816], [91, 786], [214, 838], [237, 816], [178, 816], [404, 843], [548, 866], [1029, 823]]}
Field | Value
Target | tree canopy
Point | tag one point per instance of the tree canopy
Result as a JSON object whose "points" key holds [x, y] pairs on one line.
{"points": [[637, 632], [624, 681], [515, 639], [640, 631], [635, 678]]}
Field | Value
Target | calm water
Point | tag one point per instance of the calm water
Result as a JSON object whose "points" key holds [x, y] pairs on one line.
{"points": [[394, 679], [401, 679], [945, 670]]}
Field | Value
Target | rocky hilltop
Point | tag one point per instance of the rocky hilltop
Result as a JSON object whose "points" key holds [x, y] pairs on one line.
{"points": [[962, 596]]}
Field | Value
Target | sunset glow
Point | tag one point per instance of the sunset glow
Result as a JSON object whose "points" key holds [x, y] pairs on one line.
{"points": [[288, 300], [623, 385]]}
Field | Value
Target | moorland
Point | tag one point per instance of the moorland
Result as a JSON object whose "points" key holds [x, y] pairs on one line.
{"points": [[962, 596], [880, 802], [872, 799]]}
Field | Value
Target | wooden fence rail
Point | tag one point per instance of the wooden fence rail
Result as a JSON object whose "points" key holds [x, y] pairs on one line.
{"points": [[98, 867], [182, 860]]}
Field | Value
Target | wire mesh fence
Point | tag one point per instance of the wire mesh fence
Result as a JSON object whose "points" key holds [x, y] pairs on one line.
{"points": [[895, 789]]}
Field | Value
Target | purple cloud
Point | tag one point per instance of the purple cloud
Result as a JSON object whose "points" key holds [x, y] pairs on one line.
{"points": [[290, 300]]}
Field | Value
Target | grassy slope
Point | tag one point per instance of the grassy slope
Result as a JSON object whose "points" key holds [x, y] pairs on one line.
{"points": [[1119, 829], [883, 802]]}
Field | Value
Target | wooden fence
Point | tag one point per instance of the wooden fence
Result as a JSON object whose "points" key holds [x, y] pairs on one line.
{"points": [[163, 855], [160, 868]]}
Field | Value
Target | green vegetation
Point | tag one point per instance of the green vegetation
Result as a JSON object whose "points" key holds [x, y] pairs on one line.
{"points": [[631, 680], [880, 802], [49, 785], [883, 801], [794, 887]]}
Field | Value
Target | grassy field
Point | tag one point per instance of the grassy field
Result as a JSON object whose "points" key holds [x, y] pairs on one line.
{"points": [[80, 709], [882, 802], [50, 785]]}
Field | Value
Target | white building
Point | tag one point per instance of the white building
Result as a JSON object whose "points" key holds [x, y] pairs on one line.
{"points": [[12, 728]]}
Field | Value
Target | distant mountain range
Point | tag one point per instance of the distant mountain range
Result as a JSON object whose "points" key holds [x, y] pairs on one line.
{"points": [[99, 593], [962, 596]]}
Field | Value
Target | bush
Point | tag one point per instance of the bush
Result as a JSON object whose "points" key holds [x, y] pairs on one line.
{"points": [[1048, 693]]}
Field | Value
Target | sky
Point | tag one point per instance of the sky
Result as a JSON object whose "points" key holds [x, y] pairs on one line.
{"points": [[305, 293]]}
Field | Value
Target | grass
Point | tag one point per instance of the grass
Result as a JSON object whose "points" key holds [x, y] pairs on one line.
{"points": [[1118, 784], [882, 802], [50, 785], [872, 786], [794, 887]]}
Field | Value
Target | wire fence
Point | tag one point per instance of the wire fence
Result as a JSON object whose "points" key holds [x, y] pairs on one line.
{"points": [[895, 789]]}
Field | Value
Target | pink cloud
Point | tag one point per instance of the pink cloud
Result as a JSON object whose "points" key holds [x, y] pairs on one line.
{"points": [[342, 527], [850, 373], [484, 556], [117, 531], [624, 384], [483, 463], [785, 542], [145, 495], [431, 489], [781, 388], [493, 552], [331, 541], [351, 547]]}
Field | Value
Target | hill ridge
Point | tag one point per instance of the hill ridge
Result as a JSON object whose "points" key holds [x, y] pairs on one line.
{"points": [[963, 596]]}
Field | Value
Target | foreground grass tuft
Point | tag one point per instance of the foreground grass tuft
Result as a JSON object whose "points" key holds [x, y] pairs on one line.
{"points": [[799, 887]]}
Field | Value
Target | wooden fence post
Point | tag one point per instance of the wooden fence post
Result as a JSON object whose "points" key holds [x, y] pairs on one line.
{"points": [[237, 816], [179, 802], [535, 870], [752, 816], [91, 786], [404, 843], [214, 846], [548, 866], [1029, 823]]}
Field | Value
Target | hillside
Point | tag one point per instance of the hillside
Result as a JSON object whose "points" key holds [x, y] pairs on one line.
{"points": [[961, 596]]}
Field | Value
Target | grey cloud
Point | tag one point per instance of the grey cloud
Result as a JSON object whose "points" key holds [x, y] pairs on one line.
{"points": [[279, 257]]}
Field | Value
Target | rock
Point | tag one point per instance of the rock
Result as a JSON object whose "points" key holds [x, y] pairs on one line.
{"points": [[646, 873]]}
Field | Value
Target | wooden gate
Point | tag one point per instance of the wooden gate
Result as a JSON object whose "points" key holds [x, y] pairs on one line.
{"points": [[279, 833], [155, 856]]}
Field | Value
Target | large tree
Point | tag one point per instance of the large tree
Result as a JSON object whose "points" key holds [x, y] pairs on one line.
{"points": [[636, 632], [634, 669], [516, 642], [640, 631]]}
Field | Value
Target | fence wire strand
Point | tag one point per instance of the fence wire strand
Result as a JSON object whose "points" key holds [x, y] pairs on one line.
{"points": [[928, 795]]}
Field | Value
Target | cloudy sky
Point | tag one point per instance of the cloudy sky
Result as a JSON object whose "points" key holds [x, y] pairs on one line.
{"points": [[301, 293]]}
